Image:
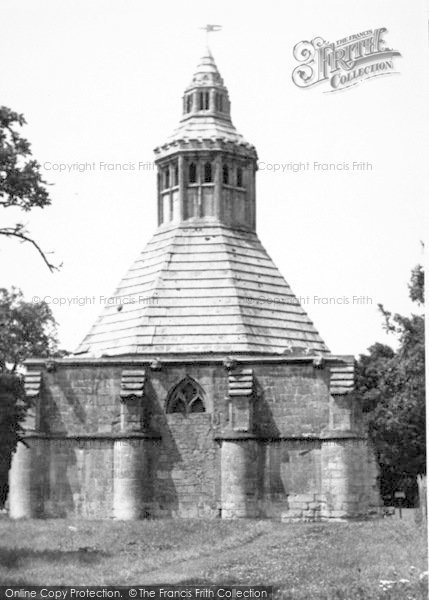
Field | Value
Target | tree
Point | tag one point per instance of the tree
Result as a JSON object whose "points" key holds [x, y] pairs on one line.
{"points": [[391, 387], [21, 184], [13, 407], [26, 329]]}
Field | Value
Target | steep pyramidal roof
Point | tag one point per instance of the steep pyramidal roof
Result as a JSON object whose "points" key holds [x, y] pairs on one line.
{"points": [[202, 288], [204, 283]]}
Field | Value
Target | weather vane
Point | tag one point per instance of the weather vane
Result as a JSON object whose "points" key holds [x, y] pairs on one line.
{"points": [[210, 29]]}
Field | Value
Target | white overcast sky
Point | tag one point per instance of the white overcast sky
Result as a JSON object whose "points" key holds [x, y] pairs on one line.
{"points": [[101, 81]]}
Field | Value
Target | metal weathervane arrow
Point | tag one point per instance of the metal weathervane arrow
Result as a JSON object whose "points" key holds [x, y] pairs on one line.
{"points": [[210, 28]]}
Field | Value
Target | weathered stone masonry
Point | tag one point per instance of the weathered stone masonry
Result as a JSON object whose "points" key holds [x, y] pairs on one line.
{"points": [[290, 450], [203, 389]]}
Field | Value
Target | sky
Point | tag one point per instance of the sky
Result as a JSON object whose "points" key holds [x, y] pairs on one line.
{"points": [[100, 84]]}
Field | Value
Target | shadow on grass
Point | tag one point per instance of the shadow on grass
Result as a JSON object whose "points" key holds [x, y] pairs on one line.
{"points": [[13, 558]]}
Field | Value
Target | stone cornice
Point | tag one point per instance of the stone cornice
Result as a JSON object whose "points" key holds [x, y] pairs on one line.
{"points": [[181, 359], [211, 144], [332, 436], [131, 435]]}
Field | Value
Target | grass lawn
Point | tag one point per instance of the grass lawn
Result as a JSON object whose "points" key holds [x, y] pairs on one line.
{"points": [[303, 561]]}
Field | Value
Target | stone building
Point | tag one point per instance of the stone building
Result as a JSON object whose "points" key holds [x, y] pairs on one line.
{"points": [[203, 389]]}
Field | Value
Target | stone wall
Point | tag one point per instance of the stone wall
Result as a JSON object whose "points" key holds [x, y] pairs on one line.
{"points": [[347, 486], [96, 456]]}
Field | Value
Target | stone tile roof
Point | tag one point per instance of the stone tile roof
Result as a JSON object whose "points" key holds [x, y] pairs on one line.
{"points": [[206, 73], [207, 127], [202, 287]]}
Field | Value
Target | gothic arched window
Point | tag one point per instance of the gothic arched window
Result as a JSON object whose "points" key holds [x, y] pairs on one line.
{"points": [[225, 174], [189, 103], [208, 176], [204, 100], [186, 397], [219, 102], [192, 173], [239, 177]]}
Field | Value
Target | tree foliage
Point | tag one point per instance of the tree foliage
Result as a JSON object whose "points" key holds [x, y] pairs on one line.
{"points": [[391, 387], [21, 184], [13, 408], [26, 329]]}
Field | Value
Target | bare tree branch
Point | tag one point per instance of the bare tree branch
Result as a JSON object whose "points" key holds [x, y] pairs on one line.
{"points": [[21, 183], [19, 232]]}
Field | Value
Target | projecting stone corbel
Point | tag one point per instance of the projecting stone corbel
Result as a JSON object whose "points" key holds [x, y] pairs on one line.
{"points": [[132, 384], [132, 414], [32, 383], [32, 388], [342, 379], [240, 382], [240, 392]]}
